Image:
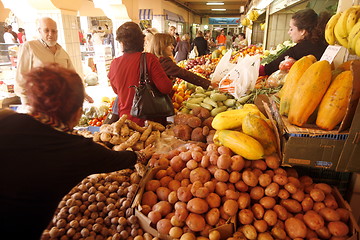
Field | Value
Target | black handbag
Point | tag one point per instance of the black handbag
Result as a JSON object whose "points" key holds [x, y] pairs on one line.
{"points": [[148, 101]]}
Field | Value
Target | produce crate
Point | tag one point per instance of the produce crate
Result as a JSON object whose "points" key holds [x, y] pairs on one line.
{"points": [[226, 230]]}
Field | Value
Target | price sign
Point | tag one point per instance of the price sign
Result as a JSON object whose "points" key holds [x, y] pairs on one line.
{"points": [[330, 53]]}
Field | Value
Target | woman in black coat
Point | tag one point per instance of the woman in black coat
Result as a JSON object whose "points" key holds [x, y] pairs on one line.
{"points": [[200, 43]]}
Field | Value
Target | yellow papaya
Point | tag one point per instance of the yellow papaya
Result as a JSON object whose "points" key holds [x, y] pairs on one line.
{"points": [[231, 119], [332, 108], [241, 144]]}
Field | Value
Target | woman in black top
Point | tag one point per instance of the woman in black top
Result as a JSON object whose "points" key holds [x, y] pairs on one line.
{"points": [[41, 161], [307, 29], [200, 43]]}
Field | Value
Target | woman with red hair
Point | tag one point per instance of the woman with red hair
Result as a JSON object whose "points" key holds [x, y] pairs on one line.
{"points": [[41, 160]]}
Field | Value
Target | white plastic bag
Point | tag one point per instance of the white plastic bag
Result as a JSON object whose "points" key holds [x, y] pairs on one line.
{"points": [[194, 53], [242, 78], [224, 66]]}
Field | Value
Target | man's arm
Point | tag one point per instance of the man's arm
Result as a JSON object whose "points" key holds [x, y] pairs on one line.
{"points": [[24, 65]]}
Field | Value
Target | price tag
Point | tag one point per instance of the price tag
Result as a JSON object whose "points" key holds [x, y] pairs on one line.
{"points": [[330, 53]]}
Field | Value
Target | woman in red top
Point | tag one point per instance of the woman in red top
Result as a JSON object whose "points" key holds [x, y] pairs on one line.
{"points": [[124, 71]]}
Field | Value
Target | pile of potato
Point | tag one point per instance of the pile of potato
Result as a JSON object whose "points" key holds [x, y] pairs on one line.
{"points": [[195, 127], [199, 189], [127, 135], [99, 208]]}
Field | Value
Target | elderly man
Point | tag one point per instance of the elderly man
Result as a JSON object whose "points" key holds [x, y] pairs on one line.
{"points": [[35, 53]]}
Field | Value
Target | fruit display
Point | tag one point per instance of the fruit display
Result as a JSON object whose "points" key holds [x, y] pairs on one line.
{"points": [[99, 208], [127, 135], [95, 115], [273, 54], [249, 50], [344, 28], [182, 91], [197, 189]]}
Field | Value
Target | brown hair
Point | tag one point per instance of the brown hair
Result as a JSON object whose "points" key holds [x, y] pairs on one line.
{"points": [[55, 91], [131, 36], [312, 23], [159, 43]]}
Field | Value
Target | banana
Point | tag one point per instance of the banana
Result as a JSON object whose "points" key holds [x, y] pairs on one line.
{"points": [[340, 27], [357, 47], [329, 30], [352, 18], [354, 35], [343, 41]]}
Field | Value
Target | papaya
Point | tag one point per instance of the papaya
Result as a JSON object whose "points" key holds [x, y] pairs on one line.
{"points": [[231, 119], [332, 108]]}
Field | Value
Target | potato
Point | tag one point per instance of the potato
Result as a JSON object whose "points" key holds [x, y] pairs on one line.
{"points": [[273, 161], [221, 175], [172, 198], [260, 225], [191, 164], [241, 186], [195, 186], [165, 181], [145, 209], [210, 185], [249, 231], [232, 194], [181, 214], [257, 172], [329, 214], [160, 174], [338, 229], [149, 198], [212, 217], [278, 233], [205, 161], [234, 177], [330, 201], [197, 205], [184, 194], [257, 193], [323, 233], [324, 187], [344, 214], [244, 200], [260, 164], [318, 206], [250, 178], [162, 193], [154, 216], [238, 163], [163, 226], [224, 161], [307, 204], [214, 235], [272, 190], [291, 188], [295, 228], [220, 188], [264, 180], [294, 181], [306, 181], [280, 179], [267, 202], [174, 185], [182, 132], [197, 135], [202, 192], [213, 200], [163, 207], [298, 196], [317, 195], [195, 222], [264, 236], [283, 194], [313, 220], [246, 216], [291, 205], [188, 236], [200, 174], [185, 182], [270, 217], [175, 232], [258, 210], [177, 164], [281, 212], [152, 185]]}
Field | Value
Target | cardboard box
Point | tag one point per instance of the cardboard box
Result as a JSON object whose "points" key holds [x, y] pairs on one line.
{"points": [[226, 230]]}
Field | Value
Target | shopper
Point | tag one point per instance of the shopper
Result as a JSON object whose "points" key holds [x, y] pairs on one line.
{"points": [[21, 35], [240, 41], [8, 37], [149, 33], [200, 43], [221, 39], [162, 47], [41, 161], [35, 53], [10, 30], [182, 49], [229, 40], [124, 70], [307, 31]]}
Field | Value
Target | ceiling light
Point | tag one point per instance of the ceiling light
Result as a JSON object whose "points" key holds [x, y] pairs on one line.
{"points": [[214, 3], [218, 9]]}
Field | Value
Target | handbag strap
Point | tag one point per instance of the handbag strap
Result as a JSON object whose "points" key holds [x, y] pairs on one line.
{"points": [[143, 70]]}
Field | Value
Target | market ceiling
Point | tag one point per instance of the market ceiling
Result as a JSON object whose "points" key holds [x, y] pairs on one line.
{"points": [[201, 7]]}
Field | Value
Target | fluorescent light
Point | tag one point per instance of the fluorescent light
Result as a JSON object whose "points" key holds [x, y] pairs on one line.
{"points": [[214, 3], [218, 9]]}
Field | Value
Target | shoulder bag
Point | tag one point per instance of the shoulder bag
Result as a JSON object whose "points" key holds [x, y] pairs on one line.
{"points": [[148, 101]]}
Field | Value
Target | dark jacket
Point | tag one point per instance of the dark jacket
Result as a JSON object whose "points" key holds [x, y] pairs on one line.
{"points": [[39, 166], [298, 51], [173, 70], [182, 48], [201, 44]]}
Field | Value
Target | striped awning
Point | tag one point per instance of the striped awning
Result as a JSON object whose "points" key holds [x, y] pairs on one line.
{"points": [[173, 16], [145, 14]]}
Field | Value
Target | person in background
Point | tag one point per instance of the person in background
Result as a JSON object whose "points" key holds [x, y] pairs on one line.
{"points": [[49, 160], [240, 41], [200, 43], [229, 41], [8, 37], [161, 46], [98, 36], [10, 30], [177, 37], [221, 39], [124, 70], [35, 53], [21, 35], [182, 49], [149, 34], [172, 30], [307, 30], [210, 40]]}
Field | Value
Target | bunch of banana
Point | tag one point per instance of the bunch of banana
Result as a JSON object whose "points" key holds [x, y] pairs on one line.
{"points": [[344, 28], [245, 22], [253, 15]]}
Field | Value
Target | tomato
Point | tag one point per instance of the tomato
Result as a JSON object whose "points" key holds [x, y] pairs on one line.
{"points": [[98, 124]]}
